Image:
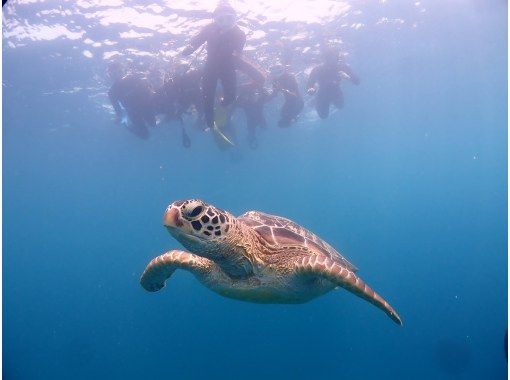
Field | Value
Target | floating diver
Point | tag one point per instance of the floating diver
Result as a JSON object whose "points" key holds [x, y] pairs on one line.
{"points": [[328, 76], [134, 95], [251, 100], [225, 43], [285, 82], [179, 94]]}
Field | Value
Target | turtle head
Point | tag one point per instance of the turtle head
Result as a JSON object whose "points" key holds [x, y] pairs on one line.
{"points": [[198, 226]]}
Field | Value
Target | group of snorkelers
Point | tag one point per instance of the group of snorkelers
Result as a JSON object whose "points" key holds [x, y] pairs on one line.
{"points": [[186, 89]]}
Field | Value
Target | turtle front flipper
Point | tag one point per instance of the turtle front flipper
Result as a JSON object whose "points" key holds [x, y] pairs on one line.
{"points": [[162, 267], [336, 273]]}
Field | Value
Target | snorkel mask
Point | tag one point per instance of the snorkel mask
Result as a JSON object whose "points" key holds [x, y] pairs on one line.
{"points": [[225, 17]]}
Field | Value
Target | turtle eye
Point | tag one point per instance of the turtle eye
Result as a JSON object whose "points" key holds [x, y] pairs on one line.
{"points": [[192, 213]]}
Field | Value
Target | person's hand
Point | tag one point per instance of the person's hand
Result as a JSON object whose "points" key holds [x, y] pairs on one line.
{"points": [[311, 91]]}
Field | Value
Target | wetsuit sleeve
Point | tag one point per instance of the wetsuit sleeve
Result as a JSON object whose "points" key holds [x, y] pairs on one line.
{"points": [[240, 42], [312, 79], [197, 40], [346, 69], [295, 88], [114, 100]]}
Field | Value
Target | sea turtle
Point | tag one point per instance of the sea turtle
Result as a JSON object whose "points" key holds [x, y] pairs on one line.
{"points": [[255, 257]]}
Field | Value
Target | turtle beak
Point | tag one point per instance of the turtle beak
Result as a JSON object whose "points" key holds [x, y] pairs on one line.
{"points": [[171, 218]]}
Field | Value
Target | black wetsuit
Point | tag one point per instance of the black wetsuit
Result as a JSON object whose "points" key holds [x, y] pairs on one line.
{"points": [[189, 93], [328, 76], [224, 50], [165, 99], [178, 94], [294, 104], [251, 99], [136, 96]]}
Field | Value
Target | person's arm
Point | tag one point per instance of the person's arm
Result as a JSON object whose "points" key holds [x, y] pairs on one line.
{"points": [[352, 76], [312, 80], [114, 100], [240, 42], [197, 41], [291, 87]]}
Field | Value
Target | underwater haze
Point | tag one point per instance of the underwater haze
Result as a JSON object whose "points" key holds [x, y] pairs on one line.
{"points": [[408, 181]]}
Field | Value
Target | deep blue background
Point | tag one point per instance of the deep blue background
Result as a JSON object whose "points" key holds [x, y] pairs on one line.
{"points": [[409, 182]]}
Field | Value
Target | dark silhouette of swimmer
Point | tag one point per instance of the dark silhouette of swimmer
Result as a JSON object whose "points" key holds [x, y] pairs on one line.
{"points": [[188, 91], [286, 83], [188, 95], [134, 95], [180, 94], [251, 99], [328, 76], [225, 42], [165, 99]]}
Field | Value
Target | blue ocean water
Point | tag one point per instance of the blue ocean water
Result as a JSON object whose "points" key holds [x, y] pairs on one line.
{"points": [[408, 181]]}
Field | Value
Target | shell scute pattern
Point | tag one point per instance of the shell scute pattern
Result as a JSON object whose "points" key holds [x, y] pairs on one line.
{"points": [[279, 231]]}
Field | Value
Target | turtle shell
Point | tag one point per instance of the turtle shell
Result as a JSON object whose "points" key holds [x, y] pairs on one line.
{"points": [[276, 230]]}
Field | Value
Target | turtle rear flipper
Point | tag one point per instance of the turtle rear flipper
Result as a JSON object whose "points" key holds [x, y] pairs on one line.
{"points": [[161, 268], [336, 273]]}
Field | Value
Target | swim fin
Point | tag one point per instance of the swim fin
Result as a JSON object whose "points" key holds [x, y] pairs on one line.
{"points": [[221, 139], [221, 121]]}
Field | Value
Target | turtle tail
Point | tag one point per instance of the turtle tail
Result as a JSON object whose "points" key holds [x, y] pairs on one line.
{"points": [[347, 279]]}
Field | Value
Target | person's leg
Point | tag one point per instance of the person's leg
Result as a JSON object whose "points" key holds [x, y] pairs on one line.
{"points": [[228, 82], [149, 116], [260, 118], [197, 101], [137, 125], [252, 139], [296, 108], [290, 111], [285, 114], [338, 99], [209, 81], [322, 104], [251, 125]]}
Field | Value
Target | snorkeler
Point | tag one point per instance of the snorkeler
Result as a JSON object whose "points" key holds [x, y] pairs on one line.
{"points": [[189, 96], [134, 95], [179, 95], [328, 76], [186, 83], [225, 42], [286, 83], [165, 99], [251, 100]]}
